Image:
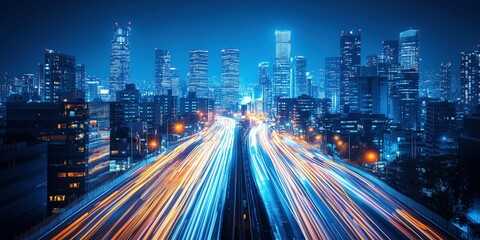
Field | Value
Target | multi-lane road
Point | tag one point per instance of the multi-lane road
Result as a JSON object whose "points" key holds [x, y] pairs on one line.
{"points": [[318, 198], [233, 182], [180, 196]]}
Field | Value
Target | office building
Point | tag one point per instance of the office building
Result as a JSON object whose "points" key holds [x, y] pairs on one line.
{"points": [[300, 76], [60, 82], [80, 77], [372, 95], [470, 80], [77, 135], [446, 81], [441, 137], [409, 55], [162, 71], [198, 74], [266, 83], [230, 79], [332, 82], [281, 75], [23, 179], [119, 59], [350, 53], [405, 99]]}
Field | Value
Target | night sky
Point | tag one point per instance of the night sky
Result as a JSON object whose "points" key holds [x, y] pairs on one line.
{"points": [[84, 29]]}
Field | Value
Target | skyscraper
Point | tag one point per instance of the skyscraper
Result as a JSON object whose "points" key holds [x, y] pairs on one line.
{"points": [[40, 81], [281, 75], [409, 49], [332, 82], [371, 66], [470, 80], [175, 81], [446, 81], [350, 50], [120, 59], [300, 76], [80, 77], [388, 67], [59, 77], [441, 137], [230, 78], [266, 83], [162, 70], [389, 52], [405, 99], [198, 74]]}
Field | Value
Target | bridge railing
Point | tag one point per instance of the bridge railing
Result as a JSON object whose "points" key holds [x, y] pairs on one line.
{"points": [[47, 225]]}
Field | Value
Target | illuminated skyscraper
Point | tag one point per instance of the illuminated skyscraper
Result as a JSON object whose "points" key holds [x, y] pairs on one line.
{"points": [[405, 95], [332, 82], [281, 75], [266, 83], [300, 70], [409, 49], [59, 77], [350, 50], [162, 70], [198, 74], [230, 79], [80, 77], [388, 67], [470, 80], [175, 81], [446, 81], [119, 59]]}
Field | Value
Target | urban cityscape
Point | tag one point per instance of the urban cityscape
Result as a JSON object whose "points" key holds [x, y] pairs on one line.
{"points": [[269, 120]]}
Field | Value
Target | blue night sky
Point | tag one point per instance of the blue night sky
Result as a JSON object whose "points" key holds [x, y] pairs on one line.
{"points": [[84, 29]]}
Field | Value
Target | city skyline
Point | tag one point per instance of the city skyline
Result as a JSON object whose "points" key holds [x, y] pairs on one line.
{"points": [[310, 38], [176, 119]]}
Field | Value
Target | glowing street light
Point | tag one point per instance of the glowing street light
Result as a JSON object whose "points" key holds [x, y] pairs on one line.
{"points": [[336, 137], [178, 127], [371, 157]]}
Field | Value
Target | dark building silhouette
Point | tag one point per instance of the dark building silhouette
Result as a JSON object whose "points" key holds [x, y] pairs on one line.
{"points": [[23, 184], [441, 137]]}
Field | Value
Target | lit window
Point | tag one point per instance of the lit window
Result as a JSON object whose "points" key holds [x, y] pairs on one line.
{"points": [[75, 185], [76, 174], [61, 174]]}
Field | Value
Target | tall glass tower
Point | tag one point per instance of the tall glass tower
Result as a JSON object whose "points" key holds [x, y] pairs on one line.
{"points": [[230, 78], [409, 50], [162, 69], [301, 84], [332, 82], [350, 50], [281, 76], [119, 59], [198, 74]]}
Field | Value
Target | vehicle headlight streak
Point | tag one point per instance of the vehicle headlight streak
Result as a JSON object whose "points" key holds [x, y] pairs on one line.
{"points": [[326, 199], [171, 198]]}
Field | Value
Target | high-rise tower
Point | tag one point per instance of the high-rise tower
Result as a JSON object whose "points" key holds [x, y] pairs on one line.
{"points": [[119, 59], [230, 78]]}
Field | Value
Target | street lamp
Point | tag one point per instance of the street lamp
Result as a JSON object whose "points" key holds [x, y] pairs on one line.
{"points": [[318, 138]]}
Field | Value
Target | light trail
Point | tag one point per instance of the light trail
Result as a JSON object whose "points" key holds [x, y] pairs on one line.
{"points": [[326, 199], [179, 196]]}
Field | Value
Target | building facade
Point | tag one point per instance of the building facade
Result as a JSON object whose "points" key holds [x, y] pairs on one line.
{"points": [[119, 59], [230, 79]]}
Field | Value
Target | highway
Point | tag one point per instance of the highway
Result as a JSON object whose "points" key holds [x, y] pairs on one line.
{"points": [[179, 196], [313, 197]]}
